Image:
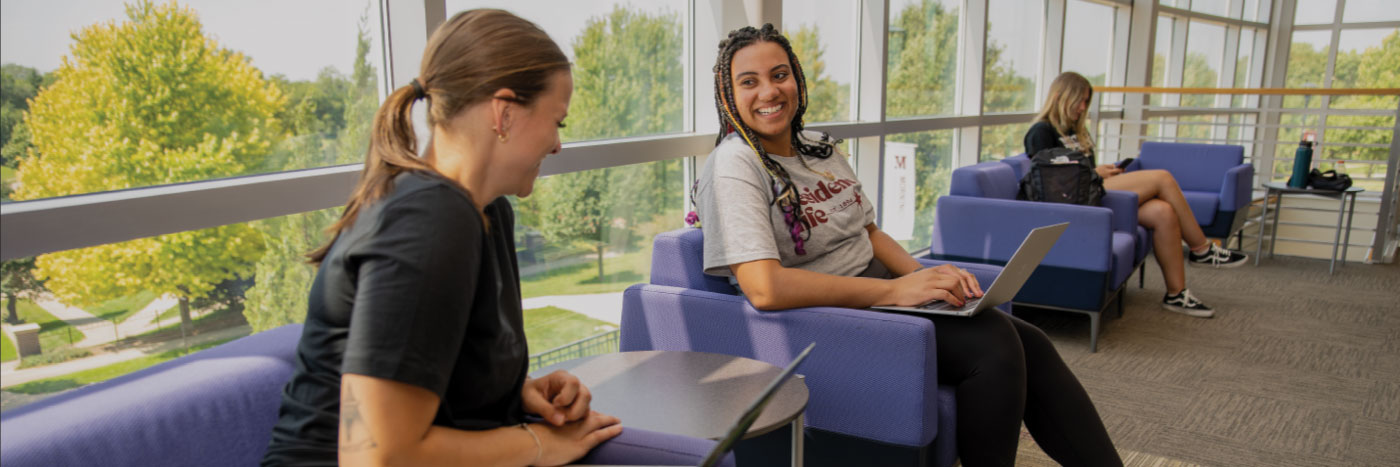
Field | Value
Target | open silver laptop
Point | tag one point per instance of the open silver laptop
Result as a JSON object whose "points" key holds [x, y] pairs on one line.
{"points": [[1027, 257], [751, 414]]}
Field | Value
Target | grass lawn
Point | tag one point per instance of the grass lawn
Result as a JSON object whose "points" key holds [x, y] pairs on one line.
{"points": [[549, 327], [7, 349], [53, 332], [103, 373], [620, 272], [118, 310]]}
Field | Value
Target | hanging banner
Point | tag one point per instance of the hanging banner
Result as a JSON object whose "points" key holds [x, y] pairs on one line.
{"points": [[897, 195]]}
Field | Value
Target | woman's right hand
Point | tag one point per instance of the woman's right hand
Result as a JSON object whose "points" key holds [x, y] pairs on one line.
{"points": [[560, 445], [1108, 170], [926, 285]]}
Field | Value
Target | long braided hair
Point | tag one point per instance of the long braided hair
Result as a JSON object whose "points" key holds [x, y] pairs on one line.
{"points": [[784, 192]]}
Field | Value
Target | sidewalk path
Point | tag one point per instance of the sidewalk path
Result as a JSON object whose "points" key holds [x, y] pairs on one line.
{"points": [[602, 306], [13, 377], [97, 331], [145, 320]]}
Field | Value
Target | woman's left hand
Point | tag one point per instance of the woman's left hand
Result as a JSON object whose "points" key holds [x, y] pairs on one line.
{"points": [[969, 281], [558, 397]]}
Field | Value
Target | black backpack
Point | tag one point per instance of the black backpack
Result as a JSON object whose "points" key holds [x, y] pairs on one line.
{"points": [[1062, 175]]}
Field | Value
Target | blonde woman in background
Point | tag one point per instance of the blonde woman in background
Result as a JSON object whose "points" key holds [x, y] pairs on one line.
{"points": [[1161, 205]]}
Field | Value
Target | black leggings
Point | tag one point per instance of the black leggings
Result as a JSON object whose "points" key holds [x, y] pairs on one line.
{"points": [[1006, 370]]}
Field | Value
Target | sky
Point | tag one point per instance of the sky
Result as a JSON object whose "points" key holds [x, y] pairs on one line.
{"points": [[36, 33]]}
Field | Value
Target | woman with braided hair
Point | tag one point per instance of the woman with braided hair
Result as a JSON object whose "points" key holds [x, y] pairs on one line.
{"points": [[791, 227]]}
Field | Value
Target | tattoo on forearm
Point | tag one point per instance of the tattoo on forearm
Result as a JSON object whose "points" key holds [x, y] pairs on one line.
{"points": [[354, 434]]}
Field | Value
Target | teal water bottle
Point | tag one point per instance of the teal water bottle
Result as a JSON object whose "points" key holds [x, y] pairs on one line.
{"points": [[1302, 162]]}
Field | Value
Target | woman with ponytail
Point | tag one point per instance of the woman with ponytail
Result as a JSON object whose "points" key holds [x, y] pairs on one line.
{"points": [[791, 226], [1162, 207], [414, 350]]}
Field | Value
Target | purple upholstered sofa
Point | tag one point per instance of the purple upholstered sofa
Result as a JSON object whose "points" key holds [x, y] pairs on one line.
{"points": [[216, 408], [873, 377]]}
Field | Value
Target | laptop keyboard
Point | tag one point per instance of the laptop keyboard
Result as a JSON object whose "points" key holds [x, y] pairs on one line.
{"points": [[945, 306]]}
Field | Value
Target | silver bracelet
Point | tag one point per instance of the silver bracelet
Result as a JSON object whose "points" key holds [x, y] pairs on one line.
{"points": [[539, 448]]}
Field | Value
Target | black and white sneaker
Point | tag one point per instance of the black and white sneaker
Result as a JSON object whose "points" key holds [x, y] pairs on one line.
{"points": [[1218, 257], [1187, 304]]}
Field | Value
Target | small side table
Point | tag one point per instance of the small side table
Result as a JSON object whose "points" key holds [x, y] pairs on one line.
{"points": [[694, 394], [1347, 211]]}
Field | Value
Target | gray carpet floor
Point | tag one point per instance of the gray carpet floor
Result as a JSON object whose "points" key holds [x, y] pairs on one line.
{"points": [[1297, 368]]}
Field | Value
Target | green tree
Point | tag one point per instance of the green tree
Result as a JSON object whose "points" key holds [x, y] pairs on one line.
{"points": [[331, 117], [923, 63], [18, 84], [17, 279], [627, 82], [149, 101], [1374, 67], [827, 101]]}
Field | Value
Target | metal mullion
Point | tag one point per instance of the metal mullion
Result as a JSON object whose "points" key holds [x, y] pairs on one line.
{"points": [[1052, 43], [872, 30], [972, 59], [1347, 26]]}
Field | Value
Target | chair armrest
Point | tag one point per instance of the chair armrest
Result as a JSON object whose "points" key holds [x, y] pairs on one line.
{"points": [[636, 446], [873, 375], [1236, 190], [990, 230], [1125, 209]]}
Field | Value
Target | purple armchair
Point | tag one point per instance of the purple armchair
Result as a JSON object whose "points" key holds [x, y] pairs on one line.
{"points": [[1216, 181], [981, 221], [216, 408], [873, 378]]}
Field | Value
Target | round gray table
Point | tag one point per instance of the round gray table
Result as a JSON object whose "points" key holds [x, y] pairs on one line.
{"points": [[694, 394], [1278, 189]]}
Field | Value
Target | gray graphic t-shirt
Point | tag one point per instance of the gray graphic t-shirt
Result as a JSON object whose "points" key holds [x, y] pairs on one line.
{"points": [[734, 198]]}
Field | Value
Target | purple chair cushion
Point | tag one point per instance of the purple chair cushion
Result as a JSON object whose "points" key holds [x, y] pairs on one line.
{"points": [[1203, 205], [991, 229], [1124, 254], [677, 260], [986, 180], [1020, 164], [215, 407], [1197, 167], [637, 446]]}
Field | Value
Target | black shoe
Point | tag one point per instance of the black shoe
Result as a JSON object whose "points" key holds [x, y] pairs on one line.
{"points": [[1187, 304], [1218, 257]]}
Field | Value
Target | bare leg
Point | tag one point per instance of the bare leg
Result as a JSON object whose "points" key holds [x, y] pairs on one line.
{"points": [[1159, 184], [1159, 216]]}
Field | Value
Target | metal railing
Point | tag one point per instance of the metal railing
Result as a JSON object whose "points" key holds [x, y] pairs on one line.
{"points": [[1356, 131], [598, 344]]}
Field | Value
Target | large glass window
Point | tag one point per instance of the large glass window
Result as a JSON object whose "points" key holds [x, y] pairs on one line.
{"points": [[118, 97], [1011, 60], [1245, 61], [923, 58], [1307, 65], [823, 36], [1002, 141], [628, 70], [1363, 58], [1364, 11], [1211, 7], [1205, 47], [583, 237], [1315, 12], [1088, 47], [933, 165], [1161, 55]]}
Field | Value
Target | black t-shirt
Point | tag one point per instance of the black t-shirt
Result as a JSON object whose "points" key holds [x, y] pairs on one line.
{"points": [[419, 291], [1042, 135]]}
